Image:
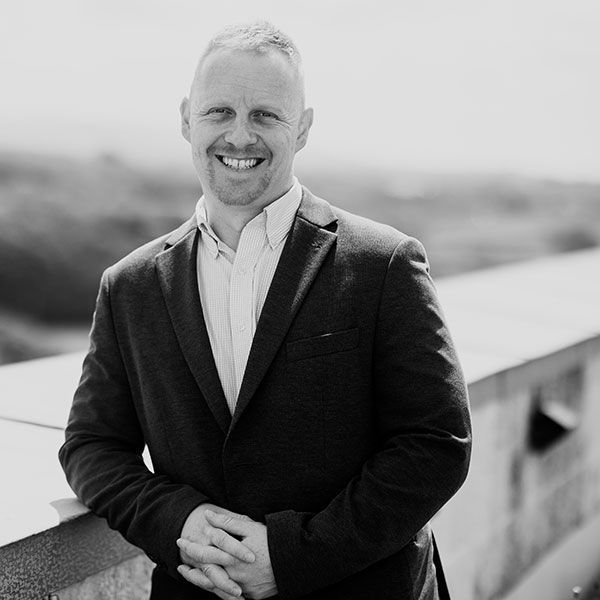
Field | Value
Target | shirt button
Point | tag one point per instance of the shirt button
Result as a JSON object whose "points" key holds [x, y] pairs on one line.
{"points": [[242, 327]]}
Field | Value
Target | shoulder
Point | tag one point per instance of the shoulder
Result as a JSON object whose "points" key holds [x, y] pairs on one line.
{"points": [[378, 246], [360, 237], [367, 231], [142, 260]]}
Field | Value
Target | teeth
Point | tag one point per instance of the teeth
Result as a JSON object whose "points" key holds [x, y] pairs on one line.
{"points": [[239, 164]]}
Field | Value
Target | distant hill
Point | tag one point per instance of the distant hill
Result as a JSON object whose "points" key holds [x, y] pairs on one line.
{"points": [[63, 221], [472, 222]]}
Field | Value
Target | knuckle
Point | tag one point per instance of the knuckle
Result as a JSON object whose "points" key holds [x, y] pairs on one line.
{"points": [[219, 537], [203, 581]]}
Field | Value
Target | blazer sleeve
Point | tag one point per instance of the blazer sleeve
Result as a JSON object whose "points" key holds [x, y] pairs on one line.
{"points": [[423, 423], [102, 452]]}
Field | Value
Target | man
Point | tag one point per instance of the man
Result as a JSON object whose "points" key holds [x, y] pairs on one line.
{"points": [[286, 364]]}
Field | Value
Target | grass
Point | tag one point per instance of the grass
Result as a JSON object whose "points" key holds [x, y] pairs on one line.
{"points": [[63, 221]]}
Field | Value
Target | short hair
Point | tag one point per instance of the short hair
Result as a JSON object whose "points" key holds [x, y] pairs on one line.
{"points": [[260, 36]]}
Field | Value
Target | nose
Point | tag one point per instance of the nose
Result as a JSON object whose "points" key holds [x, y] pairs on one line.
{"points": [[240, 133]]}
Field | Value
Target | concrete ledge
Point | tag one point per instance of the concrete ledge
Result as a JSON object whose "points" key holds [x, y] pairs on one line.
{"points": [[60, 557], [503, 317], [556, 576], [129, 580], [512, 520]]}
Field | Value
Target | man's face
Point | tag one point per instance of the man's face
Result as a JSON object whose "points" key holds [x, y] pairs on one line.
{"points": [[245, 122]]}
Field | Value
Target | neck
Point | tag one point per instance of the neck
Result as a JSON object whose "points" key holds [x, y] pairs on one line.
{"points": [[229, 221]]}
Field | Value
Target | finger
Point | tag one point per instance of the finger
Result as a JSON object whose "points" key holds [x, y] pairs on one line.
{"points": [[222, 540], [213, 579], [196, 554], [231, 514], [195, 576], [229, 523], [221, 580], [226, 596]]}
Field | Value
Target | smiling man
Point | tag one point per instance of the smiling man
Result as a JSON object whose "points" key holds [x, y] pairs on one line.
{"points": [[245, 121], [286, 363]]}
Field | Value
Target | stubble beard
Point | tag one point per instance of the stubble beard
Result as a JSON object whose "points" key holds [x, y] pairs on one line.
{"points": [[232, 194]]}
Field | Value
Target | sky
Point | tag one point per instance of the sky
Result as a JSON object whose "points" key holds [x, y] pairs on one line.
{"points": [[461, 86]]}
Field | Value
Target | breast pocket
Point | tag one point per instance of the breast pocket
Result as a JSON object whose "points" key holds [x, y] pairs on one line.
{"points": [[328, 343]]}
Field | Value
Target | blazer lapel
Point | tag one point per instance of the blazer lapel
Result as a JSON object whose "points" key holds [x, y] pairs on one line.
{"points": [[305, 250], [177, 273]]}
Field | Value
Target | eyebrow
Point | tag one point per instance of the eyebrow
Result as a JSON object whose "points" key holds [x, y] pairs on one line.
{"points": [[222, 103]]}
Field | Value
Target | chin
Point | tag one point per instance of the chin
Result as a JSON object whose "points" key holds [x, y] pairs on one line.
{"points": [[242, 195], [234, 199]]}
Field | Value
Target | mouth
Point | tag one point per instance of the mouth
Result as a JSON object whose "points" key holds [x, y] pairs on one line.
{"points": [[239, 164]]}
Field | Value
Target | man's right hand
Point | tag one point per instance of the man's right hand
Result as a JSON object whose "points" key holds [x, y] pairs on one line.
{"points": [[220, 550]]}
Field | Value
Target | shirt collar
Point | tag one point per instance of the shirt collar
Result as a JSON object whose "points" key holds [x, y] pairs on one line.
{"points": [[209, 237], [277, 218], [280, 214]]}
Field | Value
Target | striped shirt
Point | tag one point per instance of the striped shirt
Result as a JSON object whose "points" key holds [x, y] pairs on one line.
{"points": [[233, 285]]}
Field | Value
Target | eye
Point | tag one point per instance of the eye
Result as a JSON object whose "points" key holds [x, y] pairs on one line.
{"points": [[218, 110], [266, 115]]}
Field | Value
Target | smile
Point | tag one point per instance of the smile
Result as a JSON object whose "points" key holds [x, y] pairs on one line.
{"points": [[239, 164]]}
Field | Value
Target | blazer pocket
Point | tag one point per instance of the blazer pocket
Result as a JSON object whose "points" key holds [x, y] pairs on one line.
{"points": [[329, 343]]}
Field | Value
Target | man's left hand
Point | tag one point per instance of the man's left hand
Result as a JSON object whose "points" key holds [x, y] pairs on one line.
{"points": [[256, 579]]}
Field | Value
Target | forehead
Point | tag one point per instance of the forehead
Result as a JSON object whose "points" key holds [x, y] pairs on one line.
{"points": [[244, 72]]}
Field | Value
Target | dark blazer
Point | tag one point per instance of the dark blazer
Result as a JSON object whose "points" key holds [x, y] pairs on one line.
{"points": [[351, 429]]}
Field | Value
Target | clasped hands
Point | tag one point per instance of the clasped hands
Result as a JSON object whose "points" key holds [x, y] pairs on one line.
{"points": [[227, 554]]}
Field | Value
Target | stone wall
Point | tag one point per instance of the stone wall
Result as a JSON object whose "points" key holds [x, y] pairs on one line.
{"points": [[524, 499], [79, 559]]}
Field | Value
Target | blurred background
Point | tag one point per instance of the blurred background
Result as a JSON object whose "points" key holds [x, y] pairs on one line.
{"points": [[473, 125]]}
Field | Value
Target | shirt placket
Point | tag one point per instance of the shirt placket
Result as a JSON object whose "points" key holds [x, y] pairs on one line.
{"points": [[241, 298]]}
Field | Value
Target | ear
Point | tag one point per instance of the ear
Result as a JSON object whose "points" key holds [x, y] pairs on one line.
{"points": [[306, 121], [184, 109]]}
